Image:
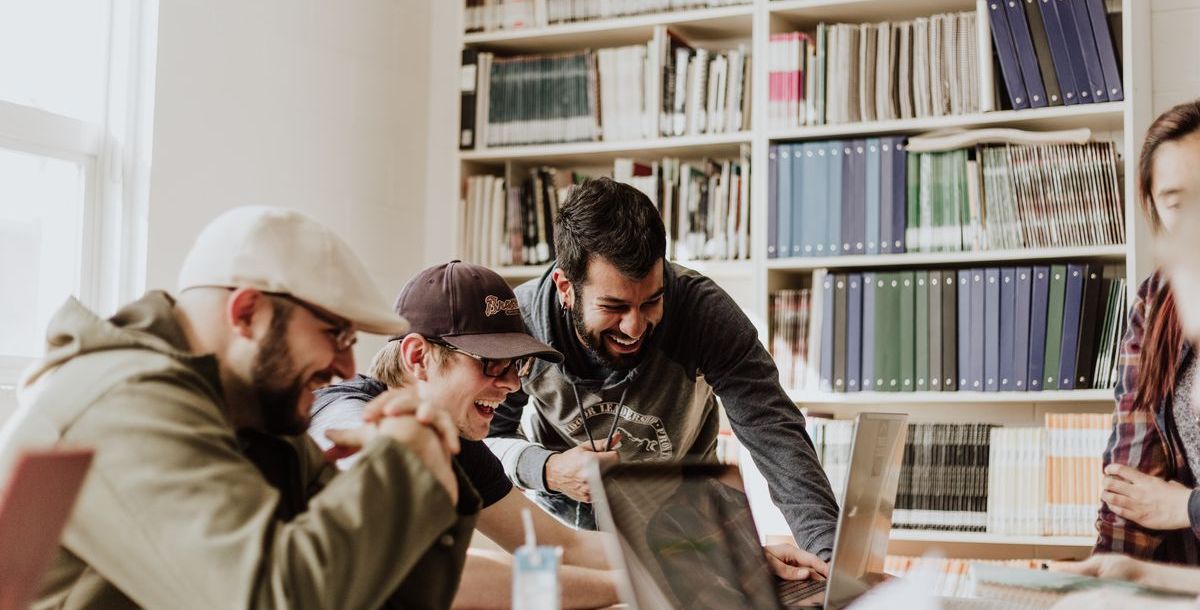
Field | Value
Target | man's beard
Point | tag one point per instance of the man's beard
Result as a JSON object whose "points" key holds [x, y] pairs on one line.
{"points": [[594, 341], [276, 386]]}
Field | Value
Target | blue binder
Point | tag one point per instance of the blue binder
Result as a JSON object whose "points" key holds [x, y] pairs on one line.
{"points": [[783, 230], [1105, 46], [854, 328], [816, 205], [899, 194], [1072, 308], [871, 208], [1006, 53], [837, 197], [1039, 301], [1084, 84], [1008, 303], [991, 329], [1021, 310], [1027, 59], [857, 236], [964, 329], [887, 150], [867, 378], [1058, 53], [803, 188], [1087, 46], [773, 201], [978, 330]]}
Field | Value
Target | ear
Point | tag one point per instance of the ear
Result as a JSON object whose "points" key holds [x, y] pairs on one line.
{"points": [[565, 288], [414, 350], [242, 307]]}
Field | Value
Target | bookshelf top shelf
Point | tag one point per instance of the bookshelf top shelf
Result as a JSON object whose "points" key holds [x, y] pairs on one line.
{"points": [[1108, 253], [1108, 116], [725, 144], [719, 23], [991, 398], [811, 12], [986, 538]]}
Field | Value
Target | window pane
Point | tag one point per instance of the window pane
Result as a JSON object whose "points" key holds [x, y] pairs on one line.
{"points": [[41, 235], [54, 55]]}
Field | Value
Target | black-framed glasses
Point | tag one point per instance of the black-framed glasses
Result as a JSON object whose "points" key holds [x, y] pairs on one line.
{"points": [[344, 335], [495, 367]]}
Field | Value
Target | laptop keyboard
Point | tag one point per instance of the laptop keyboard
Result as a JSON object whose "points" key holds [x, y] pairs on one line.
{"points": [[792, 592]]}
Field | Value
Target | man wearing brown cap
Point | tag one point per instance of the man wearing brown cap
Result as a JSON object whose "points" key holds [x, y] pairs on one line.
{"points": [[198, 498], [465, 352]]}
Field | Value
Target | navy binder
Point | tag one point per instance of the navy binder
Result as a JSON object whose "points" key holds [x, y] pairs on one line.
{"points": [[1058, 53], [867, 378], [1084, 84], [854, 328], [991, 329], [1089, 322], [949, 331], [1008, 302], [1087, 46], [1006, 53], [772, 201], [1038, 306], [1027, 59], [783, 230], [1020, 364], [1072, 310], [975, 371], [899, 194], [803, 190], [873, 217], [1041, 45], [1105, 45], [887, 164], [964, 329], [827, 315], [837, 196]]}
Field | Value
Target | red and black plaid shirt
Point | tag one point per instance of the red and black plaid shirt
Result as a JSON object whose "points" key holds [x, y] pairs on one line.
{"points": [[1145, 440]]}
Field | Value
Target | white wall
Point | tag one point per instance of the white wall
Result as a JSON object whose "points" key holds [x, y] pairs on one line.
{"points": [[313, 105], [1175, 24]]}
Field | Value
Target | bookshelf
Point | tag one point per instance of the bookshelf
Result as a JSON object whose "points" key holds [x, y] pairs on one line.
{"points": [[751, 282]]}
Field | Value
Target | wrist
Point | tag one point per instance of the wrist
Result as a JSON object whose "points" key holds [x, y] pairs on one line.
{"points": [[548, 472]]}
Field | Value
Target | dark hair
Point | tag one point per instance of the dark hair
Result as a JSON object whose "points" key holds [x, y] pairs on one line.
{"points": [[1162, 345], [611, 220]]}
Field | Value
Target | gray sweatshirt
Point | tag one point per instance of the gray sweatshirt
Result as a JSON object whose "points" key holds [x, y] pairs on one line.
{"points": [[704, 348]]}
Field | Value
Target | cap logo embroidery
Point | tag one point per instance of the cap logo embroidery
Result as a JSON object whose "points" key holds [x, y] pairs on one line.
{"points": [[494, 305]]}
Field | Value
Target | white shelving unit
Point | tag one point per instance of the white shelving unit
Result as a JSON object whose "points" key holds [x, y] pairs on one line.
{"points": [[751, 282]]}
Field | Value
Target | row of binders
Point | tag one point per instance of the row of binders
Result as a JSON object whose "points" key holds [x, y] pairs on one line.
{"points": [[665, 87], [492, 15], [1010, 329], [849, 73], [874, 196], [1056, 52], [705, 207], [983, 478]]}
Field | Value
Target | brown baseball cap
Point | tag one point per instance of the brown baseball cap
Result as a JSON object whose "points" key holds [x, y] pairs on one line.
{"points": [[471, 308]]}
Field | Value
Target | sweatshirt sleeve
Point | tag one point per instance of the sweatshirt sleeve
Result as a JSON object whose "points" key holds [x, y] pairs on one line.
{"points": [[524, 462], [743, 375], [176, 517]]}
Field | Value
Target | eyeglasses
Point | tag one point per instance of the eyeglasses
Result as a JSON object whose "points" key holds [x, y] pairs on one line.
{"points": [[344, 335], [495, 367]]}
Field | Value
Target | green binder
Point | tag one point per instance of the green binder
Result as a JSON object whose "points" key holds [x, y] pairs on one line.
{"points": [[907, 322], [921, 366]]}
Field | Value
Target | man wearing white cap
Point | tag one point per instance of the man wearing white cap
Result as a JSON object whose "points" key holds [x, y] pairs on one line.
{"points": [[191, 404]]}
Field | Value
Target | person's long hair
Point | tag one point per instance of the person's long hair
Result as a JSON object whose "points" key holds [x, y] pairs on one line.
{"points": [[1162, 343]]}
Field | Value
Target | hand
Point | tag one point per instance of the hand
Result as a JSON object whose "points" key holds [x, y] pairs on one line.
{"points": [[1116, 567], [790, 562], [567, 472], [428, 446], [405, 401], [1145, 500]]}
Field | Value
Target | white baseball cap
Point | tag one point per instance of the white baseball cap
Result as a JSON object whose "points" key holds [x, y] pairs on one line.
{"points": [[283, 251]]}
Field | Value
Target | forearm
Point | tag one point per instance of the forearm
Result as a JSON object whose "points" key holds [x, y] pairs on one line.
{"points": [[487, 584], [524, 462], [1173, 577], [586, 550]]}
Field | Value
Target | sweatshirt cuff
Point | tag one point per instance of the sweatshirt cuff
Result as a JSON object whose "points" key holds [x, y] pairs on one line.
{"points": [[531, 468], [1194, 511]]}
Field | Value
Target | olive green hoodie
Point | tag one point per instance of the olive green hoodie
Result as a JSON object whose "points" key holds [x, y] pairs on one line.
{"points": [[174, 515]]}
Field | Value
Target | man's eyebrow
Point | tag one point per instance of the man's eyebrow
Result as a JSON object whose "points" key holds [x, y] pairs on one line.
{"points": [[615, 300]]}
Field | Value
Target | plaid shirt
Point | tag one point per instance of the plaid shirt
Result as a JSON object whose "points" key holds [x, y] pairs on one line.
{"points": [[1147, 441]]}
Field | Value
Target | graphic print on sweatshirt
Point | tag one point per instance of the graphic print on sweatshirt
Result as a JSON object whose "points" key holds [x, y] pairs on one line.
{"points": [[643, 437]]}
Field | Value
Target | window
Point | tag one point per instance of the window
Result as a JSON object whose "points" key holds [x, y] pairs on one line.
{"points": [[76, 98]]}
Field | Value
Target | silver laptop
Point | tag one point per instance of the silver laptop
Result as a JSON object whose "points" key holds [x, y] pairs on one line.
{"points": [[686, 539]]}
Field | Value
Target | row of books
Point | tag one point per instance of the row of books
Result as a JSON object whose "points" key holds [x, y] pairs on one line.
{"points": [[705, 207], [848, 73], [665, 87], [985, 478], [1056, 52], [492, 15], [874, 196], [1010, 329], [1047, 481]]}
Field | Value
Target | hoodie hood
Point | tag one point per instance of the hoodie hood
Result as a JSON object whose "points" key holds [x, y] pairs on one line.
{"points": [[148, 323], [360, 387]]}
